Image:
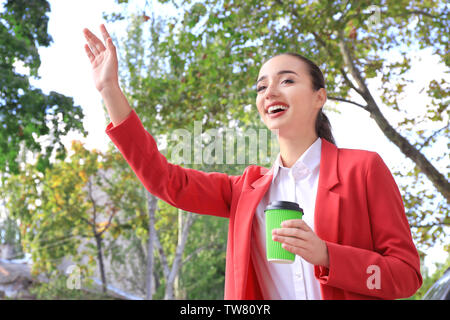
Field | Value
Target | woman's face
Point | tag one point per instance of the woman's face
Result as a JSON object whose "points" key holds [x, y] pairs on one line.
{"points": [[285, 80]]}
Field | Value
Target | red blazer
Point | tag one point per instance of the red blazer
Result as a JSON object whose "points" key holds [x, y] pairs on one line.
{"points": [[359, 213]]}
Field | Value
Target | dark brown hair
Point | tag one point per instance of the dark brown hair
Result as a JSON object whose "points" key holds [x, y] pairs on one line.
{"points": [[323, 125]]}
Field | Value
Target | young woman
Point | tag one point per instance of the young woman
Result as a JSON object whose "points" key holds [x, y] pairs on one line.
{"points": [[354, 240]]}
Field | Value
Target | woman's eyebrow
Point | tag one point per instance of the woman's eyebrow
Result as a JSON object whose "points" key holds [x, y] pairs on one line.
{"points": [[278, 73]]}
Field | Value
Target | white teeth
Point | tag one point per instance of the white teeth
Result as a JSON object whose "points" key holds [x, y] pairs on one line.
{"points": [[273, 108]]}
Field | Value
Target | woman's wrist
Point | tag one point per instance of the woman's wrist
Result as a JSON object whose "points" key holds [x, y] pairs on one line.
{"points": [[110, 89], [326, 259], [116, 103]]}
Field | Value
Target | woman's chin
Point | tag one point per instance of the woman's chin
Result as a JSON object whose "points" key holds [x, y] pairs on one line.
{"points": [[275, 125]]}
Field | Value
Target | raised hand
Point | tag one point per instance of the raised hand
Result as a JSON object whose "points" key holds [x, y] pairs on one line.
{"points": [[105, 71], [103, 59]]}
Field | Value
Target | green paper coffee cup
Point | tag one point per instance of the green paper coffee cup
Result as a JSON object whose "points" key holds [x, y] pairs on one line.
{"points": [[277, 212]]}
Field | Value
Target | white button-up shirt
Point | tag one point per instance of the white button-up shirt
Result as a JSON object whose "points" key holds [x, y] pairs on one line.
{"points": [[297, 184]]}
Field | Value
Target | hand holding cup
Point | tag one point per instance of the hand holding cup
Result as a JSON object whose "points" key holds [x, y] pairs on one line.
{"points": [[298, 238]]}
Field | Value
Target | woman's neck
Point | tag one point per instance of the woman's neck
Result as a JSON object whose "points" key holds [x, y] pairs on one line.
{"points": [[292, 148]]}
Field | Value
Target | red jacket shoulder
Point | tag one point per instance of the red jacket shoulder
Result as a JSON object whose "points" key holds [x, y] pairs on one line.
{"points": [[361, 159]]}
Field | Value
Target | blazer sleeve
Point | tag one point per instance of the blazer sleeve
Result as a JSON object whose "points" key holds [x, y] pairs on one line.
{"points": [[392, 269], [188, 189]]}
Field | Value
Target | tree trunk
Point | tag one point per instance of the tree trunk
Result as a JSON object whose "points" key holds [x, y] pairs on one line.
{"points": [[188, 220], [151, 202], [98, 240], [170, 273], [438, 180], [179, 294]]}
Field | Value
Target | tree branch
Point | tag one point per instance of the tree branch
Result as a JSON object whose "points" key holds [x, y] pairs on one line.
{"points": [[193, 253], [180, 247], [345, 12], [349, 82], [347, 101], [430, 225], [426, 142], [169, 294], [111, 216], [323, 44], [356, 74], [162, 256], [87, 221], [423, 13], [94, 205], [196, 251], [344, 74]]}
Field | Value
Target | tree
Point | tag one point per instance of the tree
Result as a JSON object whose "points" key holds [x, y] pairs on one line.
{"points": [[10, 235], [205, 67], [27, 113], [203, 274], [62, 211]]}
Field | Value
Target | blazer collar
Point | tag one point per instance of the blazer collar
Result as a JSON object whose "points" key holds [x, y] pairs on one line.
{"points": [[308, 161], [327, 205], [328, 176]]}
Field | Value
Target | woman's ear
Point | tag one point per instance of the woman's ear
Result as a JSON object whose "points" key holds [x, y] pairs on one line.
{"points": [[321, 98]]}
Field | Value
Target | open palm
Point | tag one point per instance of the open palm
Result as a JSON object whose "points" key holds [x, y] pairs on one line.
{"points": [[103, 59]]}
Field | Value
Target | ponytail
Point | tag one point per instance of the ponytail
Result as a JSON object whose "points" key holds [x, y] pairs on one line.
{"points": [[323, 127]]}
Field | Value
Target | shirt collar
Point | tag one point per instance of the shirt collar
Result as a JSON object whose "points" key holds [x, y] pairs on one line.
{"points": [[304, 165]]}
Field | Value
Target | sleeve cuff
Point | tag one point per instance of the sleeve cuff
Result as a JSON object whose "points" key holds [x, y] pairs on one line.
{"points": [[323, 273], [128, 131], [111, 126]]}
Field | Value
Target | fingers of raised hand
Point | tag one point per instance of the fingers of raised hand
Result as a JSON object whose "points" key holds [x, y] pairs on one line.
{"points": [[95, 44], [89, 53], [105, 33]]}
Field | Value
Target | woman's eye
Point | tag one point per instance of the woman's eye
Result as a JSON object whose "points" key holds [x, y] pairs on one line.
{"points": [[262, 87]]}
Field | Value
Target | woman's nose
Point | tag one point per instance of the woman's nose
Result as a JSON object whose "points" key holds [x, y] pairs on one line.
{"points": [[271, 91]]}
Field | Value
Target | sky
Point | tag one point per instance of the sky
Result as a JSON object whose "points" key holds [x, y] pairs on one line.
{"points": [[66, 69]]}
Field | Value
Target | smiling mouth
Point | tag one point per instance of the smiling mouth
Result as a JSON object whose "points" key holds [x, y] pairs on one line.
{"points": [[276, 114], [276, 109]]}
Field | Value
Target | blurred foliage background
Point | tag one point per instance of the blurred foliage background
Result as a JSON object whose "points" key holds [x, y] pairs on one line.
{"points": [[200, 66]]}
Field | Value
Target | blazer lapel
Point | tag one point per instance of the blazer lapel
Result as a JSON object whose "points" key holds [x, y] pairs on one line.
{"points": [[250, 198], [326, 214]]}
